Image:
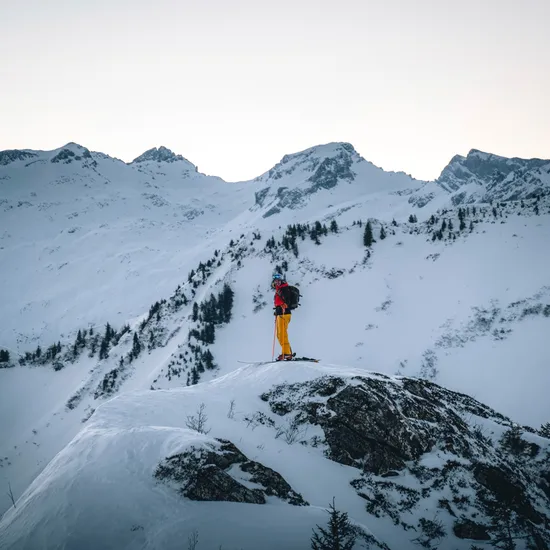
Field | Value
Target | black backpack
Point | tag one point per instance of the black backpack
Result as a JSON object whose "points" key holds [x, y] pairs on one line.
{"points": [[291, 296]]}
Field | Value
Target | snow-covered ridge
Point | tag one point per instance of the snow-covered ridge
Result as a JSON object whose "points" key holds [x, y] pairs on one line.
{"points": [[161, 154], [254, 444], [486, 177]]}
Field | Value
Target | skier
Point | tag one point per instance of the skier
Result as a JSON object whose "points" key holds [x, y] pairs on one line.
{"points": [[282, 317]]}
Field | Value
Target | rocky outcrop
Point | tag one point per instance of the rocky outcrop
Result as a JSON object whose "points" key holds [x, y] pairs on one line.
{"points": [[12, 155], [73, 152], [160, 154], [220, 472], [493, 178], [369, 425], [413, 442], [468, 529]]}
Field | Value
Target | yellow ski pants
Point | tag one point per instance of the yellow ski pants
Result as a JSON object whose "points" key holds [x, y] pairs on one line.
{"points": [[282, 333]]}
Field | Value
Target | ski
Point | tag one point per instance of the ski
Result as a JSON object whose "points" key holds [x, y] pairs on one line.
{"points": [[303, 359]]}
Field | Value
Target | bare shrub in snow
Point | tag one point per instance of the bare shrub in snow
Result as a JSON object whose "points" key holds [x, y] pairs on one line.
{"points": [[10, 494], [258, 300], [432, 533], [193, 540], [428, 368], [231, 411], [291, 432], [198, 420]]}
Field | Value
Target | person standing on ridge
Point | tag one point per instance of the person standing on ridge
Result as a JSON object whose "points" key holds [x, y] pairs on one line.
{"points": [[282, 316]]}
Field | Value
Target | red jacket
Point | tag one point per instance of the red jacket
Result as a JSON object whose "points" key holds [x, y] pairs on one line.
{"points": [[278, 301]]}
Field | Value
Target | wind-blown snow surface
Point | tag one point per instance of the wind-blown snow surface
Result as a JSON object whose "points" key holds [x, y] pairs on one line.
{"points": [[101, 491], [107, 472], [470, 312]]}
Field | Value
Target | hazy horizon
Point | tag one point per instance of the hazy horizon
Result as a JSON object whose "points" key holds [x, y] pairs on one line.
{"points": [[235, 86]]}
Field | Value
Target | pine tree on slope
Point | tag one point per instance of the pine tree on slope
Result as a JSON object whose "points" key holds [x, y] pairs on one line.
{"points": [[367, 236], [339, 535]]}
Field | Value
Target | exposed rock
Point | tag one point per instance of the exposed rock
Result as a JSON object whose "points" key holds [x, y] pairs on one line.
{"points": [[71, 153], [11, 155], [508, 491], [367, 426], [468, 529], [202, 473], [386, 427], [161, 154], [494, 177]]}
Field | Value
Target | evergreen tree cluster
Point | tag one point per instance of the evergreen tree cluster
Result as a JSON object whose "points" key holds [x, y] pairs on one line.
{"points": [[213, 312], [447, 228], [197, 277], [318, 230], [108, 384], [106, 341], [85, 339], [4, 356], [294, 232], [154, 311], [41, 357]]}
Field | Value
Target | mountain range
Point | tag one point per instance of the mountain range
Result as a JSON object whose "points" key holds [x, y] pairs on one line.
{"points": [[138, 407]]}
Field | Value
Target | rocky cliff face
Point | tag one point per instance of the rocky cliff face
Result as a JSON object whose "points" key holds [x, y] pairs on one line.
{"points": [[486, 177], [419, 447]]}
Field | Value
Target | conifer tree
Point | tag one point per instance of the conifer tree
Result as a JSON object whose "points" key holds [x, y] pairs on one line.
{"points": [[208, 360], [194, 377], [545, 430], [334, 226], [339, 534], [136, 347], [104, 349], [367, 235], [227, 300], [382, 233]]}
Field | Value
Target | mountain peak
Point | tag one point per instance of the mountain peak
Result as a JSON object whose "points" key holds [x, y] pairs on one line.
{"points": [[160, 154], [482, 176]]}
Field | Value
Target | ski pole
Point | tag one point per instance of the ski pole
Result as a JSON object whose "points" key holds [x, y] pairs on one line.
{"points": [[274, 334]]}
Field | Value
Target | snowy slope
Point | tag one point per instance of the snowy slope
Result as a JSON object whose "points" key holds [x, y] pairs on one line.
{"points": [[88, 238], [469, 310], [138, 461], [71, 215]]}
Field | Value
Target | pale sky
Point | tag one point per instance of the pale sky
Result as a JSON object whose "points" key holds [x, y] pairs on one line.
{"points": [[233, 85]]}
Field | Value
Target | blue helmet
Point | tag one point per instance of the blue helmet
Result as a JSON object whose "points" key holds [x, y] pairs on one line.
{"points": [[277, 277]]}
